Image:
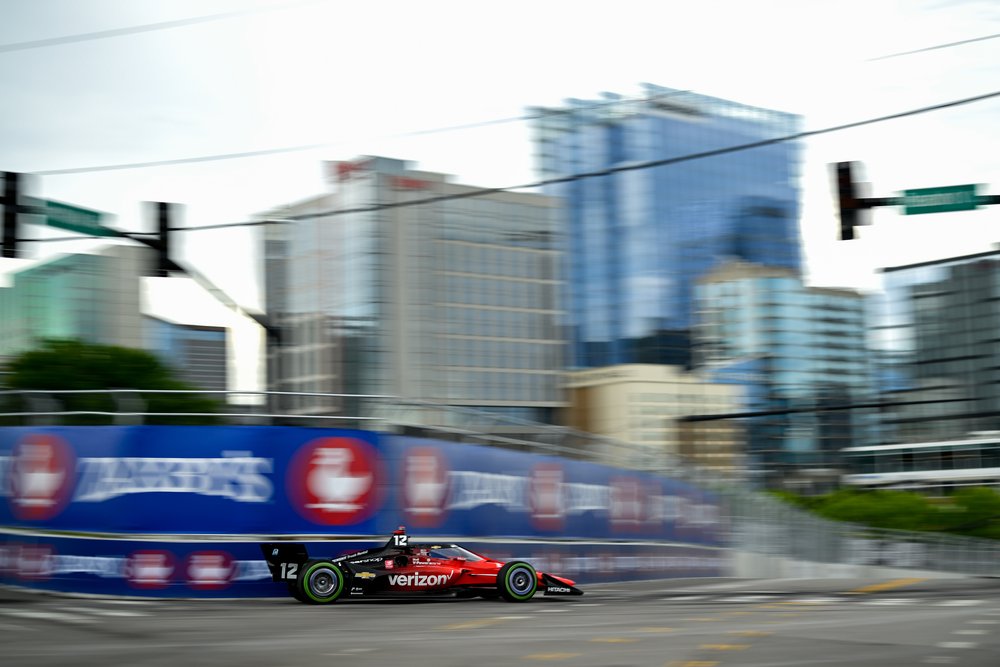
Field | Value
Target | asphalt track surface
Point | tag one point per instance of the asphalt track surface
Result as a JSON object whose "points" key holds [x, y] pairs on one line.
{"points": [[671, 623]]}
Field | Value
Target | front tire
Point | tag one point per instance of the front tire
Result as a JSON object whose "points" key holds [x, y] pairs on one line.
{"points": [[320, 582], [517, 581]]}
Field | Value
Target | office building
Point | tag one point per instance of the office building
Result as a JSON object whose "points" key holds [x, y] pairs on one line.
{"points": [[643, 405], [935, 330], [810, 358], [455, 301], [99, 298], [197, 354], [639, 236], [90, 297]]}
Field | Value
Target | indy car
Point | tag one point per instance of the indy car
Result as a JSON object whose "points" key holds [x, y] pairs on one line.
{"points": [[401, 568]]}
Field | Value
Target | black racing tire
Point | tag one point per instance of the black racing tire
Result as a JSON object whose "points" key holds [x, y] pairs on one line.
{"points": [[293, 590], [517, 581], [320, 582]]}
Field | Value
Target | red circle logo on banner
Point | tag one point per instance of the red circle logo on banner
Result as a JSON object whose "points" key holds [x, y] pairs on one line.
{"points": [[210, 570], [35, 561], [425, 485], [149, 569], [626, 503], [548, 506], [335, 481], [41, 476]]}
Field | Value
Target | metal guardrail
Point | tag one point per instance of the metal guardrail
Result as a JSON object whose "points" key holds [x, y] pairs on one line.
{"points": [[385, 413]]}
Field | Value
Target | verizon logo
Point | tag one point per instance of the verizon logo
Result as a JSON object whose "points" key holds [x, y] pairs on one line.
{"points": [[418, 579]]}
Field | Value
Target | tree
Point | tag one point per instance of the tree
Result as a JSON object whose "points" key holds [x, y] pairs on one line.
{"points": [[60, 364], [976, 512], [973, 511], [898, 510]]}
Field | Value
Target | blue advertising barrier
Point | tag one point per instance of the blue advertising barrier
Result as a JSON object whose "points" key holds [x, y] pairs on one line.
{"points": [[457, 489], [190, 479], [230, 484], [236, 569]]}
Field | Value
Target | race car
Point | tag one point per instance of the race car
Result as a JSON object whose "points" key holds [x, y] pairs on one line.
{"points": [[401, 568]]}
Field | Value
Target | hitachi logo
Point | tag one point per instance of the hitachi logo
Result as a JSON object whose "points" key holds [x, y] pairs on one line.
{"points": [[418, 579]]}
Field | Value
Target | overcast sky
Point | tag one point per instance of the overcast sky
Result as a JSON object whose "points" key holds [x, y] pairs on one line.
{"points": [[269, 74]]}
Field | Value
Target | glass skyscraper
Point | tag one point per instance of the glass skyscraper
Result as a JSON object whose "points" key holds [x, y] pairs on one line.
{"points": [[91, 297], [639, 236], [808, 350]]}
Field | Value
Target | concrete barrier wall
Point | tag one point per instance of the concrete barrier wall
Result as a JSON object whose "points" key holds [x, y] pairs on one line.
{"points": [[749, 565]]}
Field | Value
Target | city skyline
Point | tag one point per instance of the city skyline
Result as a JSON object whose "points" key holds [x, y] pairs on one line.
{"points": [[208, 89], [240, 98]]}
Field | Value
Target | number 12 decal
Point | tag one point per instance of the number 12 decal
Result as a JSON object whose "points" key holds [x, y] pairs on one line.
{"points": [[400, 540], [289, 570]]}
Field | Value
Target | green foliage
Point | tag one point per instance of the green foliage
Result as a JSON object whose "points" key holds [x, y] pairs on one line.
{"points": [[805, 502], [75, 365], [977, 513], [881, 509], [971, 511]]}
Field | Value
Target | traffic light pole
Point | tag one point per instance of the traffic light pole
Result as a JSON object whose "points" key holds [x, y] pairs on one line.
{"points": [[853, 207]]}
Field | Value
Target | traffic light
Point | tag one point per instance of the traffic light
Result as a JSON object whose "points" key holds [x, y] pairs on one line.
{"points": [[11, 208], [848, 200], [163, 211], [164, 214]]}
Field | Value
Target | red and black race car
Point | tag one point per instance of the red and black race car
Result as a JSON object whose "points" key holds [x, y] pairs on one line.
{"points": [[402, 568]]}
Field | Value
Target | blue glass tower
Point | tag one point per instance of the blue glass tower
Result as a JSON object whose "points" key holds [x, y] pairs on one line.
{"points": [[637, 237]]}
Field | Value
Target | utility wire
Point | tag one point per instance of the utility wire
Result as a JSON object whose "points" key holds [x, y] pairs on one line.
{"points": [[479, 192], [308, 147], [934, 48], [148, 27], [619, 168], [301, 147]]}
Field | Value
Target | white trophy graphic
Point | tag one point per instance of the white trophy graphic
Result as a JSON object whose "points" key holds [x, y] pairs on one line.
{"points": [[36, 482], [331, 483]]}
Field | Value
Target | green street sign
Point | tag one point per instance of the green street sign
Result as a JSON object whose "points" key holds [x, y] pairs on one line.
{"points": [[75, 219], [939, 200]]}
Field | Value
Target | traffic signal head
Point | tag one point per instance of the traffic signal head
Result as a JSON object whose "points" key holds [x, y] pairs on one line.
{"points": [[10, 198], [848, 200]]}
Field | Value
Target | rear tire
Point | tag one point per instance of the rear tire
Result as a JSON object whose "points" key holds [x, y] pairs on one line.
{"points": [[293, 590], [517, 581], [320, 582]]}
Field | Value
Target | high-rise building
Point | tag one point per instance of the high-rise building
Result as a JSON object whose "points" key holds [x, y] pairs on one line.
{"points": [[810, 362], [90, 297], [98, 298], [935, 330], [196, 353], [638, 236], [455, 301]]}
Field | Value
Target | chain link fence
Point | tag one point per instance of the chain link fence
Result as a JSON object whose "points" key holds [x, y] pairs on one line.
{"points": [[765, 525]]}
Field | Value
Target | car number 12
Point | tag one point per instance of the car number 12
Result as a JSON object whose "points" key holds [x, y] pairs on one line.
{"points": [[289, 570]]}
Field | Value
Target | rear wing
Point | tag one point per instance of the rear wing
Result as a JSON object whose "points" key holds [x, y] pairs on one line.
{"points": [[284, 559]]}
